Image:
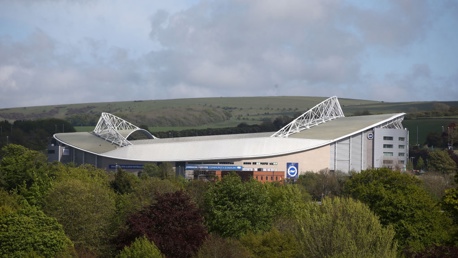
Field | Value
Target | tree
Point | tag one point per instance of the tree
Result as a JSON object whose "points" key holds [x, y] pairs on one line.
{"points": [[28, 232], [233, 207], [436, 183], [420, 164], [343, 227], [434, 139], [143, 195], [25, 171], [286, 199], [324, 183], [400, 200], [440, 161], [196, 189], [141, 247], [150, 170], [123, 182], [173, 223], [85, 206], [272, 243], [216, 246], [450, 202]]}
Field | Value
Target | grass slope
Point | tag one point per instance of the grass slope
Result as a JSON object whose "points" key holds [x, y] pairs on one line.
{"points": [[198, 113]]}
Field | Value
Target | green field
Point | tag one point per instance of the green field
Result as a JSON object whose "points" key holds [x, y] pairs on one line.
{"points": [[420, 128]]}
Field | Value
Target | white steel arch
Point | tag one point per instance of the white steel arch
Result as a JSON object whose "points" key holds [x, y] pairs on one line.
{"points": [[323, 112], [109, 126], [393, 124]]}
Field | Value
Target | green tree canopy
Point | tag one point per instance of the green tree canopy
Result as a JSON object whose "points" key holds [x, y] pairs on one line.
{"points": [[124, 182], [420, 163], [25, 171], [343, 227], [141, 247], [28, 232], [217, 246], [323, 184], [400, 200], [440, 161], [85, 205], [272, 243], [234, 207]]}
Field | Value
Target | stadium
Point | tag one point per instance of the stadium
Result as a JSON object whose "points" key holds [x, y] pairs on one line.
{"points": [[322, 138]]}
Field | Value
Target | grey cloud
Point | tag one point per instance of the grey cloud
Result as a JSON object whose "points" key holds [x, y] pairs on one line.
{"points": [[230, 48]]}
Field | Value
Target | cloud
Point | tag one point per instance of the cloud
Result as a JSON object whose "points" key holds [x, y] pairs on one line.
{"points": [[64, 52]]}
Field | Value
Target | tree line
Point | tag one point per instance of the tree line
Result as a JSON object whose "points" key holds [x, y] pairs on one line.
{"points": [[32, 134], [57, 210]]}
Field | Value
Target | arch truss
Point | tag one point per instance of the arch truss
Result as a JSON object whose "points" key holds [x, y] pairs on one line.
{"points": [[109, 127], [393, 124], [325, 111]]}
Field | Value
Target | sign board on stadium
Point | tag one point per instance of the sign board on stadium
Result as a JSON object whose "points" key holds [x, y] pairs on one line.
{"points": [[125, 166], [216, 167], [292, 170]]}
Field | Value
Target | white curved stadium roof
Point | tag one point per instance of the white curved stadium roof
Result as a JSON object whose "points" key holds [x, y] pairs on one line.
{"points": [[311, 134]]}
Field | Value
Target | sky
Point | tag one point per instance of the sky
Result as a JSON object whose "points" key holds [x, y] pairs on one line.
{"points": [[83, 51]]}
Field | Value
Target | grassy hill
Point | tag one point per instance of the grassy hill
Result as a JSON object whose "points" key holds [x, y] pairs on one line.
{"points": [[197, 113]]}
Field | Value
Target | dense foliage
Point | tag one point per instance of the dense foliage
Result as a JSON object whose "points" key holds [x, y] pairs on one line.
{"points": [[141, 247], [173, 223], [28, 232], [400, 200], [67, 210], [32, 134], [342, 227], [234, 207]]}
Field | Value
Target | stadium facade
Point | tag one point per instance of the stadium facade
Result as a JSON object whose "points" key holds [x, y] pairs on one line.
{"points": [[320, 139]]}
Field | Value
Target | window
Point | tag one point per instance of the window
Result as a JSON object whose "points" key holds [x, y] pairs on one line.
{"points": [[401, 146], [401, 139], [388, 138], [388, 146], [51, 151], [388, 154], [401, 161], [401, 154]]}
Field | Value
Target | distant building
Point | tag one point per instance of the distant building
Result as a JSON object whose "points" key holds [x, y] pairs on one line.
{"points": [[320, 139]]}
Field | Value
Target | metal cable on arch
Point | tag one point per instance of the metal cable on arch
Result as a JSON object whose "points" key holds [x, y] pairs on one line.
{"points": [[116, 130], [323, 112]]}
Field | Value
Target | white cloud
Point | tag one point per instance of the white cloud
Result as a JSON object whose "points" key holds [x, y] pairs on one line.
{"points": [[89, 51]]}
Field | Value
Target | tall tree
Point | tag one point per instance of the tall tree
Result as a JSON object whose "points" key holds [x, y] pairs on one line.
{"points": [[123, 182], [234, 207], [26, 171], [440, 161], [400, 200], [173, 223], [82, 201], [343, 227], [28, 232]]}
